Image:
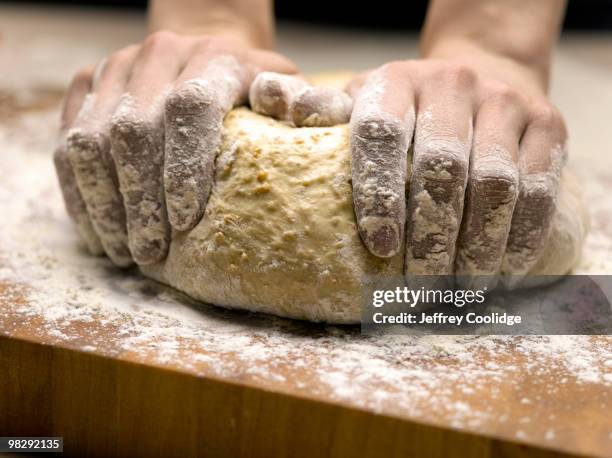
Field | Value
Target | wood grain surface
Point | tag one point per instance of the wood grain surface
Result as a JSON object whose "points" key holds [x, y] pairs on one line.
{"points": [[121, 366], [110, 407]]}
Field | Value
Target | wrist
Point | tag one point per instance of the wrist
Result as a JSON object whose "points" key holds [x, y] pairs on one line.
{"points": [[519, 34], [214, 18], [518, 72]]}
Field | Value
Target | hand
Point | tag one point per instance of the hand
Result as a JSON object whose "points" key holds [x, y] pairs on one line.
{"points": [[487, 150], [139, 137]]}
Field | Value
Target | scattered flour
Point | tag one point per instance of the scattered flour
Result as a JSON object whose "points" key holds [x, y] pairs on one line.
{"points": [[49, 283]]}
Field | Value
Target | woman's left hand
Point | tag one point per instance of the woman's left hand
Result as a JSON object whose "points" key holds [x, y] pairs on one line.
{"points": [[487, 151], [488, 148]]}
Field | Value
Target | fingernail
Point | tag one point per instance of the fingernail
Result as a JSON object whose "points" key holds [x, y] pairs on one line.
{"points": [[382, 236]]}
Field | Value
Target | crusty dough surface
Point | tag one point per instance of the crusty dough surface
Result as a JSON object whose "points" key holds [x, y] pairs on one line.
{"points": [[279, 234]]}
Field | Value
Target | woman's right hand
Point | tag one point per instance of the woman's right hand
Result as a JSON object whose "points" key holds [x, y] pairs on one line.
{"points": [[140, 133]]}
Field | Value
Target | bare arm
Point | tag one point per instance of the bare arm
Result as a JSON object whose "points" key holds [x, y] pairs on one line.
{"points": [[522, 31], [488, 146], [250, 20]]}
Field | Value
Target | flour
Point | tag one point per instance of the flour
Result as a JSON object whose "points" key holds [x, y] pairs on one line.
{"points": [[194, 114], [535, 209], [89, 156], [83, 302], [272, 94], [438, 183], [379, 142], [137, 139], [490, 199], [321, 106], [290, 98], [75, 205]]}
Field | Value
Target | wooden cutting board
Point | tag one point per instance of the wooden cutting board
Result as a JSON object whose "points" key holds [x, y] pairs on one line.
{"points": [[116, 363], [119, 365], [133, 384]]}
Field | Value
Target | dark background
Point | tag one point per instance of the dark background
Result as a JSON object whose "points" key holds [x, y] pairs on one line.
{"points": [[386, 14]]}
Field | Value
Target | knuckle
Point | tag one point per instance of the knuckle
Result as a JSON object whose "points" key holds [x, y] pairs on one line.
{"points": [[313, 96], [83, 145], [442, 162], [380, 126], [118, 59], [500, 184], [545, 115], [82, 77], [191, 97], [267, 83], [457, 75], [396, 67], [537, 194], [504, 95], [125, 125], [321, 106], [158, 40], [127, 129], [271, 93]]}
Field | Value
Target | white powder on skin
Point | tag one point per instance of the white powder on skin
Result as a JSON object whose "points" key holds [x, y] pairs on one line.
{"points": [[73, 299], [379, 168], [137, 127], [321, 106], [520, 254], [272, 94], [194, 112], [490, 199], [438, 182]]}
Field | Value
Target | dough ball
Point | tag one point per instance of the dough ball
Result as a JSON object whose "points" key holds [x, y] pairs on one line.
{"points": [[279, 233]]}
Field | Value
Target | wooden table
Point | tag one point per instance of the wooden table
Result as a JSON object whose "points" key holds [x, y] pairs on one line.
{"points": [[119, 365]]}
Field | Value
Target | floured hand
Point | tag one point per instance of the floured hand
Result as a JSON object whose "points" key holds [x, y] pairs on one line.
{"points": [[292, 98], [487, 152], [139, 137], [486, 157]]}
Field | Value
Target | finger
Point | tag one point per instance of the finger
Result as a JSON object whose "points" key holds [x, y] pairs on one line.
{"points": [[492, 189], [137, 146], [354, 85], [320, 106], [80, 86], [443, 140], [381, 128], [89, 154], [75, 206], [272, 94], [541, 157], [291, 98], [205, 91]]}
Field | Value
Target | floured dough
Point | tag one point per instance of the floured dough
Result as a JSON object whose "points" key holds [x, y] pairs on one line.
{"points": [[279, 234]]}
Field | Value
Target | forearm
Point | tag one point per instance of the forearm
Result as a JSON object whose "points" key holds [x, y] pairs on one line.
{"points": [[248, 20], [524, 31]]}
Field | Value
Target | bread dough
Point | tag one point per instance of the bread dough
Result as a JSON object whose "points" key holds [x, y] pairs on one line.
{"points": [[279, 233]]}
